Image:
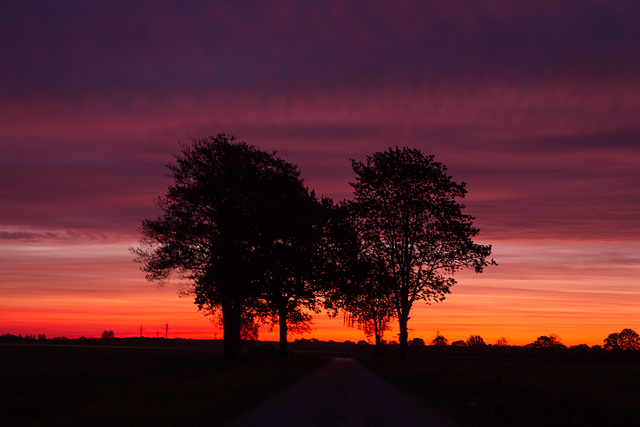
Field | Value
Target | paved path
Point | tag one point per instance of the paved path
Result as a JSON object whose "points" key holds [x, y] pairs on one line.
{"points": [[341, 393]]}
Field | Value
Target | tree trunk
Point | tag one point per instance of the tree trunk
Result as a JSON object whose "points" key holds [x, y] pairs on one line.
{"points": [[378, 350], [377, 331], [404, 336], [231, 320], [284, 346]]}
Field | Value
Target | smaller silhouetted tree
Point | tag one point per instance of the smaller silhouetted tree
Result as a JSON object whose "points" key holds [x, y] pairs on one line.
{"points": [[439, 340], [107, 337], [407, 212], [544, 341], [502, 342], [417, 342], [627, 339], [458, 343], [582, 347], [475, 340], [612, 342], [355, 283]]}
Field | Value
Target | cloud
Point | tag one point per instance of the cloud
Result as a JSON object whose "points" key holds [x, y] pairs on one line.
{"points": [[551, 174], [38, 239], [68, 50], [534, 105]]}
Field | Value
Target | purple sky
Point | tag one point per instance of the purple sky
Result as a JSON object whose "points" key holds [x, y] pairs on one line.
{"points": [[536, 106]]}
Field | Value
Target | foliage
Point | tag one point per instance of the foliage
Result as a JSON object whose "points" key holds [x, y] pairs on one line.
{"points": [[544, 341], [408, 218], [290, 284], [475, 340], [627, 339], [439, 340], [107, 337], [356, 284], [612, 342], [417, 342], [224, 225], [501, 342], [369, 306], [459, 343]]}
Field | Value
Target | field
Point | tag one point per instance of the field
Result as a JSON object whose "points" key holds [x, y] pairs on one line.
{"points": [[539, 388], [101, 385], [120, 385]]}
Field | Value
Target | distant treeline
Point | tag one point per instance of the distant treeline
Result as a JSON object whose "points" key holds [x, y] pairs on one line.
{"points": [[416, 347], [128, 342]]}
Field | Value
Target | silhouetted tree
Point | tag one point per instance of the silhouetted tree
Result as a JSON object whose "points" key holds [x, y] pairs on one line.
{"points": [[370, 307], [107, 337], [290, 282], [545, 341], [581, 347], [612, 342], [627, 339], [458, 343], [359, 284], [219, 225], [475, 340], [417, 342], [409, 220], [501, 342], [439, 340]]}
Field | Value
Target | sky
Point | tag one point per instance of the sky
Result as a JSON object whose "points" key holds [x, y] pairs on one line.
{"points": [[535, 105]]}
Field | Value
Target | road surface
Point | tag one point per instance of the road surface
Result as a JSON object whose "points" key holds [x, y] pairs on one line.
{"points": [[341, 393]]}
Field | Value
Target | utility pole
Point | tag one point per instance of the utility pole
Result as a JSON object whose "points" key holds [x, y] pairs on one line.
{"points": [[166, 330], [140, 331]]}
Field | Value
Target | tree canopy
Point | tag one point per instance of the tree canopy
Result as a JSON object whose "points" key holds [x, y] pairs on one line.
{"points": [[544, 341], [224, 224], [627, 339], [409, 219], [252, 244], [354, 283]]}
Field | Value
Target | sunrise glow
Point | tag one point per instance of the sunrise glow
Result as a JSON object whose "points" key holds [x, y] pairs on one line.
{"points": [[537, 112]]}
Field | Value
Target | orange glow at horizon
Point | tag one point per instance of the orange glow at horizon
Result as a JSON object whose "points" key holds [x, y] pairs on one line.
{"points": [[544, 130], [581, 291]]}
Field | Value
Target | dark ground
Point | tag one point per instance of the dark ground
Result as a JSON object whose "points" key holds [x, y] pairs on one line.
{"points": [[45, 384], [55, 385]]}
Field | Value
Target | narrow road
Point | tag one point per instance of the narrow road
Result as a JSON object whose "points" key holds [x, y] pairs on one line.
{"points": [[341, 393]]}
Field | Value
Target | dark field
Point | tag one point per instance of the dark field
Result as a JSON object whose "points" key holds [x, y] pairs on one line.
{"points": [[103, 385], [100, 385], [536, 389]]}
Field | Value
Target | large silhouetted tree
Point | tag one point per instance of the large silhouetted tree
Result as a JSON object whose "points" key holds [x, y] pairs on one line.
{"points": [[408, 218], [220, 225]]}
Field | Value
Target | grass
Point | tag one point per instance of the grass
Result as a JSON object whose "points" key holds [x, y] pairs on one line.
{"points": [[522, 391], [73, 385]]}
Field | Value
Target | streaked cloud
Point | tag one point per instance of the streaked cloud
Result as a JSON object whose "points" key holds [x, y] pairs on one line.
{"points": [[534, 105]]}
